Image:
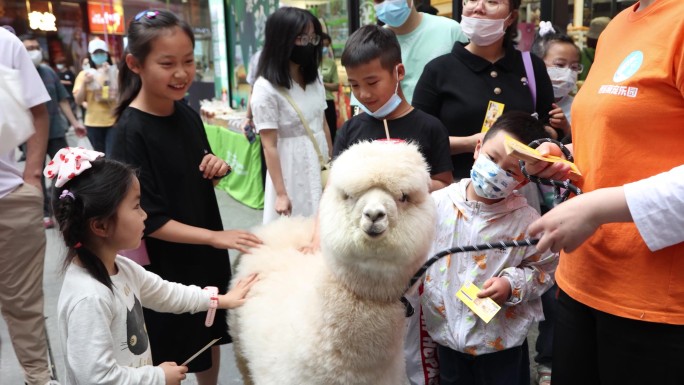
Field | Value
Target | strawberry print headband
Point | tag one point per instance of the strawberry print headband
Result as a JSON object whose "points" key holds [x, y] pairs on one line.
{"points": [[69, 162]]}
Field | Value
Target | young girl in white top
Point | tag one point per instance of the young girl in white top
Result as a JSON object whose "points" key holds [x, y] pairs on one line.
{"points": [[101, 325]]}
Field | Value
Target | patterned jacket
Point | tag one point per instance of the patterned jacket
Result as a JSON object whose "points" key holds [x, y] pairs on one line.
{"points": [[459, 223]]}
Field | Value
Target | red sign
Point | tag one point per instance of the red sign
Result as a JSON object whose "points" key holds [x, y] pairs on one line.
{"points": [[106, 17]]}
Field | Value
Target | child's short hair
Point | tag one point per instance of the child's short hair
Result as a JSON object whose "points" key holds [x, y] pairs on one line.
{"points": [[95, 194], [371, 42], [521, 125]]}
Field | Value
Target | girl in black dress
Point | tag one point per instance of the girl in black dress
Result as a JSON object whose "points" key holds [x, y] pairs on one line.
{"points": [[165, 139]]}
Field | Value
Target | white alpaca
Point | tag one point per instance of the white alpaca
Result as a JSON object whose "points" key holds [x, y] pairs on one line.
{"points": [[335, 317]]}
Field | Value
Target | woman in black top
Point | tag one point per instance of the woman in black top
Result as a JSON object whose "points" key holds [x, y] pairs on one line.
{"points": [[457, 87]]}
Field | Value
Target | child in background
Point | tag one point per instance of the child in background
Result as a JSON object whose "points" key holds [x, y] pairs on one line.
{"points": [[562, 59], [165, 139], [473, 211], [372, 59], [101, 326]]}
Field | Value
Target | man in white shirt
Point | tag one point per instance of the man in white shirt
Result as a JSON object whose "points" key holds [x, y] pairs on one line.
{"points": [[22, 236]]}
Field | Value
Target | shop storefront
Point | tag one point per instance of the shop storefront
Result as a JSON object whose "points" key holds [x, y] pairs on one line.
{"points": [[64, 28]]}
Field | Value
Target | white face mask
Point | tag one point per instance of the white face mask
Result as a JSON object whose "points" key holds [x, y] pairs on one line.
{"points": [[392, 103], [36, 56], [563, 81], [491, 181], [483, 32]]}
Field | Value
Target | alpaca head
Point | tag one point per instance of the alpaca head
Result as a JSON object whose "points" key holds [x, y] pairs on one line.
{"points": [[377, 218]]}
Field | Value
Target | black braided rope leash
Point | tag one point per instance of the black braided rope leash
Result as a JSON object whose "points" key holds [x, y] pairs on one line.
{"points": [[569, 188]]}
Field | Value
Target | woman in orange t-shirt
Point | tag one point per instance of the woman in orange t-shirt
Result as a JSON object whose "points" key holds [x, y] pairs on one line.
{"points": [[621, 302]]}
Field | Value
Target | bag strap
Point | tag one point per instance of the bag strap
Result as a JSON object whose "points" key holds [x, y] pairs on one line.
{"points": [[287, 96], [529, 70]]}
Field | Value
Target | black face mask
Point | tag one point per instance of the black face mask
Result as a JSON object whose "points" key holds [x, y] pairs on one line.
{"points": [[303, 55]]}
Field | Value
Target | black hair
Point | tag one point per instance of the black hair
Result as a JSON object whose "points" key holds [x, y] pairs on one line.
{"points": [[28, 36], [97, 194], [371, 42], [521, 125], [141, 33], [512, 30], [324, 37], [542, 43], [282, 29]]}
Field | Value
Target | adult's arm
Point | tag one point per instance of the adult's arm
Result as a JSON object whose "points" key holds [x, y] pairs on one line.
{"points": [[79, 89], [36, 146], [656, 205], [35, 95], [569, 224]]}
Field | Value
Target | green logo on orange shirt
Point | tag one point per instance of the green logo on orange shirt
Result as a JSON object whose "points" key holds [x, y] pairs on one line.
{"points": [[629, 66]]}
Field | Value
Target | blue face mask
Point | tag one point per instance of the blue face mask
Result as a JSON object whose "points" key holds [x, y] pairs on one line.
{"points": [[393, 12], [325, 51], [392, 103], [99, 58]]}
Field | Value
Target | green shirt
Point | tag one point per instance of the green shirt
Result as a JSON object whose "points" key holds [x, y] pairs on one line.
{"points": [[587, 59], [329, 72], [435, 36]]}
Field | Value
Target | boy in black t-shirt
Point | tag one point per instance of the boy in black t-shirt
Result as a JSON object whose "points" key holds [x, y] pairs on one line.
{"points": [[372, 58]]}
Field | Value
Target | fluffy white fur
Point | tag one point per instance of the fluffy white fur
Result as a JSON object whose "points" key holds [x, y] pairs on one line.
{"points": [[334, 317]]}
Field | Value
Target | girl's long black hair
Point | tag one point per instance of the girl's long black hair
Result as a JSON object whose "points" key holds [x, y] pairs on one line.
{"points": [[282, 29], [142, 31], [95, 194]]}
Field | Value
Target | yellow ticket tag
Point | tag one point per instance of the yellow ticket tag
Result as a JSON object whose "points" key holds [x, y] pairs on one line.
{"points": [[105, 92], [485, 308], [494, 110], [529, 154]]}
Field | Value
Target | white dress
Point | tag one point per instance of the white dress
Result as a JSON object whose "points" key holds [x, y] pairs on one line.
{"points": [[298, 158]]}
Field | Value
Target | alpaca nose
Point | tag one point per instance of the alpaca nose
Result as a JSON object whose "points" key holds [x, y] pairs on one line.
{"points": [[374, 214]]}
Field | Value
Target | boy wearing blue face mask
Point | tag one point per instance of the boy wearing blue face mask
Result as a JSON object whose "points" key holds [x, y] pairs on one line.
{"points": [[476, 210], [372, 59]]}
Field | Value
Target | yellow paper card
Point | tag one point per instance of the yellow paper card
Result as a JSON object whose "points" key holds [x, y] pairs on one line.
{"points": [[105, 92], [485, 308], [494, 110], [529, 154]]}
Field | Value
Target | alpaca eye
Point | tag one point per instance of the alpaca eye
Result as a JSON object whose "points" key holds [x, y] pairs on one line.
{"points": [[404, 197]]}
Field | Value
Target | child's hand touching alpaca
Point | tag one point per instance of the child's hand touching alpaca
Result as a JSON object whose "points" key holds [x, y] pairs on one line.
{"points": [[173, 373], [237, 295]]}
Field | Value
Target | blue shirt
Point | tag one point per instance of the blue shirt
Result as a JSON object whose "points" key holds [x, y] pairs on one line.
{"points": [[57, 92]]}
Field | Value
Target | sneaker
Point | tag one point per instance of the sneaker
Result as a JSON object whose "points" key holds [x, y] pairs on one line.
{"points": [[543, 375], [48, 223]]}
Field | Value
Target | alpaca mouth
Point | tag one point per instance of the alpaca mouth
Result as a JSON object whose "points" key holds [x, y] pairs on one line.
{"points": [[374, 231]]}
